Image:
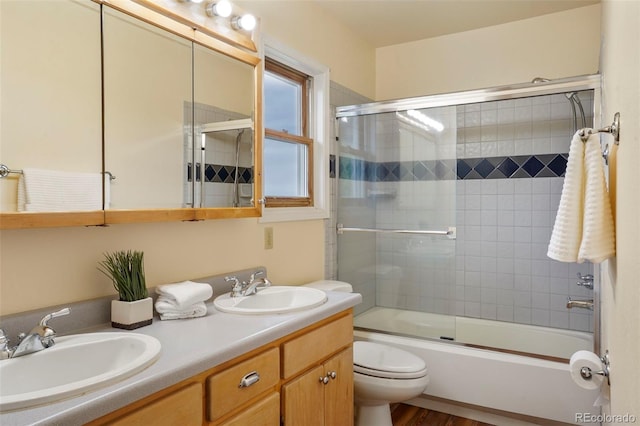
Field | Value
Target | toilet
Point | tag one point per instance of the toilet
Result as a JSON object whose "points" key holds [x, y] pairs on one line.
{"points": [[382, 374]]}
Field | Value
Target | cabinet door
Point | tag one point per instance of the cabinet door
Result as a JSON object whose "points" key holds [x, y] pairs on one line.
{"points": [[183, 407], [303, 399], [339, 391], [263, 413]]}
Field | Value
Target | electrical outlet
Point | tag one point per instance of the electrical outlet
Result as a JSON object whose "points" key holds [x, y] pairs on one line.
{"points": [[268, 238]]}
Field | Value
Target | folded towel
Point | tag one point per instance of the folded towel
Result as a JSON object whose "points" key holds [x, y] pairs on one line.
{"points": [[583, 228], [53, 190], [183, 295], [194, 311]]}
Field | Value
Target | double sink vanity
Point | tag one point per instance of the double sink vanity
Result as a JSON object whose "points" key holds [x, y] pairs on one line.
{"points": [[254, 366]]}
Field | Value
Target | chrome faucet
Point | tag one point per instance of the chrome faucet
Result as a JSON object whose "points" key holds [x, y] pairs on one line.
{"points": [[40, 337], [579, 303], [252, 286], [244, 288]]}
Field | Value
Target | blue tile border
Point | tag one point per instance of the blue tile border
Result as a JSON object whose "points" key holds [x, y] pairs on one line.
{"points": [[221, 174], [520, 166]]}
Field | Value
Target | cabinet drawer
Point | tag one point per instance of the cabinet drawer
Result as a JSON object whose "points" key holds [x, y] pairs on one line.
{"points": [[224, 391], [306, 350]]}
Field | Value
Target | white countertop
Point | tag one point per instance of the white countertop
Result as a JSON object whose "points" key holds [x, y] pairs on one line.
{"points": [[189, 347]]}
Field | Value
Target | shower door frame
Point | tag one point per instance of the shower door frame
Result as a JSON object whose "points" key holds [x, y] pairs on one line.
{"points": [[498, 93]]}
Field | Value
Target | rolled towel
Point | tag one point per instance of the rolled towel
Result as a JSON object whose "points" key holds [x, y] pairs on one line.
{"points": [[194, 311], [183, 295]]}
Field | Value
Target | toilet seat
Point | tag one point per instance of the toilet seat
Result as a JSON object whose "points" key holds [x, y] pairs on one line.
{"points": [[374, 359]]}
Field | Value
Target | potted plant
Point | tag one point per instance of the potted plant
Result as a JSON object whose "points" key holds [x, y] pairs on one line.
{"points": [[134, 308]]}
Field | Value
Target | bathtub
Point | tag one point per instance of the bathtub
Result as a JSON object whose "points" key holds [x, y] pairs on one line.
{"points": [[502, 381], [545, 341]]}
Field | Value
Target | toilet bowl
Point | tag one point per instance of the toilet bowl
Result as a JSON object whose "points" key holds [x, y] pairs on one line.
{"points": [[381, 374]]}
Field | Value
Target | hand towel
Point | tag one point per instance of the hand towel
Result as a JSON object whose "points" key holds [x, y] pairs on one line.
{"points": [[194, 311], [598, 236], [53, 190], [583, 228], [184, 294]]}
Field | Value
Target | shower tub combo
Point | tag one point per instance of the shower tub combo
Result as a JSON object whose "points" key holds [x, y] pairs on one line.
{"points": [[446, 204]]}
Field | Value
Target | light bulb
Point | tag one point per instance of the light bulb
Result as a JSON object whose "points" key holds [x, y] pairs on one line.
{"points": [[222, 8], [246, 22]]}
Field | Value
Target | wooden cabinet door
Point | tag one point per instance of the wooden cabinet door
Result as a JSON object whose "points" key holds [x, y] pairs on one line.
{"points": [[303, 399], [266, 412], [183, 407], [338, 395]]}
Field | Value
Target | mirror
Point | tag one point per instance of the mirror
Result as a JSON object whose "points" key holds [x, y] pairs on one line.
{"points": [[147, 88], [50, 104], [163, 93], [223, 110]]}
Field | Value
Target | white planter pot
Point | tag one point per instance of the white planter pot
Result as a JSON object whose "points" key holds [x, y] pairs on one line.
{"points": [[131, 315]]}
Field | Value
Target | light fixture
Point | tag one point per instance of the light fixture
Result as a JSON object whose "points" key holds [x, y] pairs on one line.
{"points": [[220, 8], [245, 22]]}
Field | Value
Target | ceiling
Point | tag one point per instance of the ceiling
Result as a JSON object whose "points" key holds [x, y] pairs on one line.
{"points": [[387, 22]]}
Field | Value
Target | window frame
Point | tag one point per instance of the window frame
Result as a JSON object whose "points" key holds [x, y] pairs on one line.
{"points": [[319, 123], [302, 79]]}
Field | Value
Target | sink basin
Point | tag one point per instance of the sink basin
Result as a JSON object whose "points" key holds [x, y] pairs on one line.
{"points": [[75, 365], [272, 300]]}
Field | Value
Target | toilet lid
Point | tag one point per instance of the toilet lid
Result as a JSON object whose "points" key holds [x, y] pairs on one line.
{"points": [[379, 360]]}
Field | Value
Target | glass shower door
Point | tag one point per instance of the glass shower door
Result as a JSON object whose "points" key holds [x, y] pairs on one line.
{"points": [[397, 172]]}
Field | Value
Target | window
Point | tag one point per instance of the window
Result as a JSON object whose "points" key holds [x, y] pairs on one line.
{"points": [[288, 149], [297, 131]]}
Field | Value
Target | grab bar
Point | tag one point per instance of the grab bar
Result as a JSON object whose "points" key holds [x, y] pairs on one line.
{"points": [[450, 232]]}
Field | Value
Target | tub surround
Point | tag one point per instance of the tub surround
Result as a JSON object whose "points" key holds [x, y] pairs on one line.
{"points": [[189, 347]]}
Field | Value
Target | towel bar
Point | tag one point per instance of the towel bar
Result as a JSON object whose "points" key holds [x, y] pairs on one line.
{"points": [[4, 172]]}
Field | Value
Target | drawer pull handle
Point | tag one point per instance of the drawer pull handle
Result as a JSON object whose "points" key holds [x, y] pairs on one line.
{"points": [[249, 379], [324, 380], [332, 374]]}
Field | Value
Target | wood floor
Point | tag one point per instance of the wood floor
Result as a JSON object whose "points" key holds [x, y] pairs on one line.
{"points": [[409, 415]]}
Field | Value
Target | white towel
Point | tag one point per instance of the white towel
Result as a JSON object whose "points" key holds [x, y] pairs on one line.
{"points": [[583, 229], [194, 311], [184, 294], [53, 190]]}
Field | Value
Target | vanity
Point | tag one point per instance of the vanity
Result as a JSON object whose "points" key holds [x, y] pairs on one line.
{"points": [[208, 370]]}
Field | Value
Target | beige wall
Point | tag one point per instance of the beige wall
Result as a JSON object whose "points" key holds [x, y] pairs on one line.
{"points": [[563, 44], [620, 287], [309, 29], [43, 267]]}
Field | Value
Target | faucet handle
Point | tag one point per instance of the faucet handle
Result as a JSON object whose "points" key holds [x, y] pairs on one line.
{"points": [[47, 333], [4, 340], [254, 275], [585, 281], [62, 312], [232, 279]]}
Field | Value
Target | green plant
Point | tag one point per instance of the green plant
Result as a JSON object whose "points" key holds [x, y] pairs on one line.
{"points": [[126, 270]]}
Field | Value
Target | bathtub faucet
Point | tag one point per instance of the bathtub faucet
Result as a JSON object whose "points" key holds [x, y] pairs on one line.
{"points": [[579, 303]]}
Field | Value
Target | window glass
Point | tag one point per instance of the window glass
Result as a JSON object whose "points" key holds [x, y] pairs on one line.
{"points": [[286, 175], [282, 98]]}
